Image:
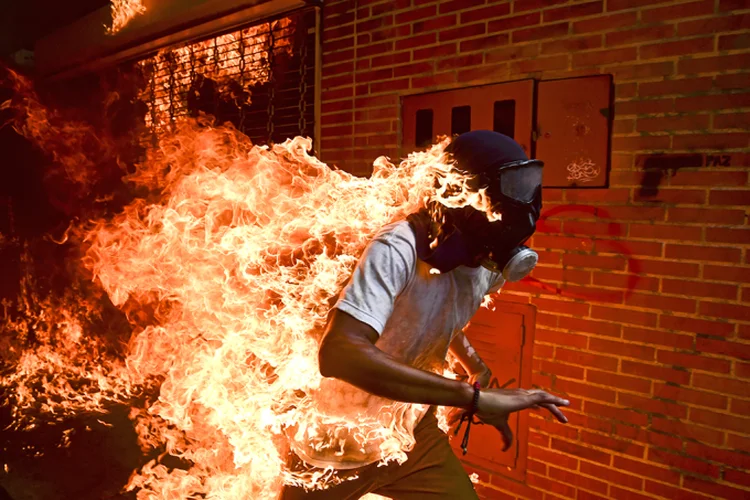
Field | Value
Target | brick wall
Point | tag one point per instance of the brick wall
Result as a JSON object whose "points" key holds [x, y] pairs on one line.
{"points": [[649, 333]]}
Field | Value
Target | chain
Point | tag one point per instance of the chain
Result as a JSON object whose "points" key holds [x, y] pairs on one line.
{"points": [[170, 59], [152, 86], [302, 123], [271, 84], [241, 100]]}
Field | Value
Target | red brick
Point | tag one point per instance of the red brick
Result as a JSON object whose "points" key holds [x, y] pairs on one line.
{"points": [[572, 45], [622, 349], [655, 372], [734, 42], [466, 31], [732, 120], [540, 64], [373, 23], [561, 369], [621, 127], [690, 396], [712, 102], [590, 326], [703, 253], [600, 57], [521, 5], [711, 215], [619, 381], [646, 469], [728, 235], [666, 232], [459, 61], [581, 451], [539, 33], [729, 5], [698, 362], [415, 14], [485, 13], [652, 405], [578, 480], [714, 489], [484, 43], [625, 415], [638, 71], [454, 5], [676, 48], [513, 22], [639, 107], [732, 81], [612, 475], [664, 268], [667, 195], [688, 430], [675, 87], [621, 494], [552, 457], [681, 11], [629, 248], [594, 261], [639, 35], [726, 273], [720, 384], [683, 463], [715, 24], [715, 63], [623, 315], [434, 52], [700, 289], [433, 80], [605, 23], [662, 490], [488, 73], [572, 11], [731, 349], [576, 390], [720, 420], [661, 302], [433, 24], [391, 59], [618, 445], [639, 143], [711, 141], [737, 477], [720, 310], [561, 338], [671, 123], [657, 337]]}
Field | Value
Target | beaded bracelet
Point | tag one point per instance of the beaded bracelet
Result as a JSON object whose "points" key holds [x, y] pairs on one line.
{"points": [[469, 417]]}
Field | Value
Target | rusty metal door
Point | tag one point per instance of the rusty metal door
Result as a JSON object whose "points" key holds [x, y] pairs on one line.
{"points": [[504, 338], [504, 107], [573, 130]]}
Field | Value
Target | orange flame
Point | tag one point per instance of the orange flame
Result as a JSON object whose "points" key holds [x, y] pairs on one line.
{"points": [[226, 272], [123, 11], [238, 58]]}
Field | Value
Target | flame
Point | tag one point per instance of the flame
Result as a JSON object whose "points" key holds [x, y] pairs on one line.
{"points": [[238, 59], [123, 11], [225, 270]]}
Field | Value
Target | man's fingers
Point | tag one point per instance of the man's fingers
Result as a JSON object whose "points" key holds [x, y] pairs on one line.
{"points": [[556, 412], [544, 398], [507, 434]]}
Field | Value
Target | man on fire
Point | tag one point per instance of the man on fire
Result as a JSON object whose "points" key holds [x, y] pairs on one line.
{"points": [[403, 310]]}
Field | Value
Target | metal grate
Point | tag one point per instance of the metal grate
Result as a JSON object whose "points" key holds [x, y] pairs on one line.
{"points": [[260, 78]]}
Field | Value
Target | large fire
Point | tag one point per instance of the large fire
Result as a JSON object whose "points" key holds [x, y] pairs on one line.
{"points": [[225, 267], [123, 11]]}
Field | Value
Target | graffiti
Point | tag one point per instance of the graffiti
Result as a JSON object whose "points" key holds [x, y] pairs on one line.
{"points": [[613, 229], [583, 170], [657, 167]]}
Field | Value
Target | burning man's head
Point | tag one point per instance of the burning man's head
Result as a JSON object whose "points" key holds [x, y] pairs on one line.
{"points": [[511, 187]]}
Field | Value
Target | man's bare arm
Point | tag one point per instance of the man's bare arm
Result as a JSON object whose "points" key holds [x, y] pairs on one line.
{"points": [[470, 360], [348, 352]]}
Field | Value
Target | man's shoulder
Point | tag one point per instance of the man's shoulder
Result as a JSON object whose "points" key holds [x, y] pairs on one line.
{"points": [[397, 233]]}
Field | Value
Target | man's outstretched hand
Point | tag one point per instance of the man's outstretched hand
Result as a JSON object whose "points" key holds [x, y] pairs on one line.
{"points": [[496, 405]]}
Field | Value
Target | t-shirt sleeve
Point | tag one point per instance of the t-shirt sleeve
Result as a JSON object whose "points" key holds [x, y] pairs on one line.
{"points": [[496, 283], [382, 272]]}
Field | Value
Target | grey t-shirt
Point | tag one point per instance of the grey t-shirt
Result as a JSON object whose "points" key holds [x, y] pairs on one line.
{"points": [[416, 312]]}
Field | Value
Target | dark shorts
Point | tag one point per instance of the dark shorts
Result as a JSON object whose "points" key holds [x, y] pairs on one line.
{"points": [[432, 472]]}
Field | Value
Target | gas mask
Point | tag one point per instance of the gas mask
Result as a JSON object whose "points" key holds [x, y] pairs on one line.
{"points": [[515, 191], [513, 185]]}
